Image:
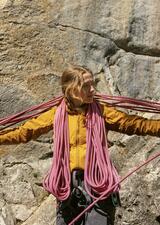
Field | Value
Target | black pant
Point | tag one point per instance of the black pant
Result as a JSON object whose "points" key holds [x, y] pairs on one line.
{"points": [[102, 213]]}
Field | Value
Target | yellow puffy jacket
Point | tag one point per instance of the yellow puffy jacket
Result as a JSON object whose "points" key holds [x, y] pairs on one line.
{"points": [[115, 120]]}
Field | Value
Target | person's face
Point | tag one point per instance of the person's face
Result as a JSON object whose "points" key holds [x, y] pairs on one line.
{"points": [[87, 91]]}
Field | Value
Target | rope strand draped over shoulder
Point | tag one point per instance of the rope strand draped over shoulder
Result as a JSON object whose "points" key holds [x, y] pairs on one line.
{"points": [[119, 101], [129, 103]]}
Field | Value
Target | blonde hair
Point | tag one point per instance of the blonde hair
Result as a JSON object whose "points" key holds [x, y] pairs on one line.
{"points": [[72, 82]]}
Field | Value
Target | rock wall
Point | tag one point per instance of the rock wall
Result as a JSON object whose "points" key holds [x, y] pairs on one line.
{"points": [[38, 39]]}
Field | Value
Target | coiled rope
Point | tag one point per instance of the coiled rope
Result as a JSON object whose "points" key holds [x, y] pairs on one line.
{"points": [[100, 174], [57, 181]]}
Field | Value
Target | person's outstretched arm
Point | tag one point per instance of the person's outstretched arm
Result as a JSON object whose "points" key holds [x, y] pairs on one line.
{"points": [[130, 124], [29, 130]]}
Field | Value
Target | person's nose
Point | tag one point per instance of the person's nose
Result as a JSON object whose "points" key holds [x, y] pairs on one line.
{"points": [[92, 90]]}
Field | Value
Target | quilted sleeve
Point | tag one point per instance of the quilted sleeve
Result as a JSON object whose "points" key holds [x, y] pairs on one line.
{"points": [[29, 130], [130, 124]]}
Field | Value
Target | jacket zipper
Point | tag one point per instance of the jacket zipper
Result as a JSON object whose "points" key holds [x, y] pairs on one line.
{"points": [[77, 142]]}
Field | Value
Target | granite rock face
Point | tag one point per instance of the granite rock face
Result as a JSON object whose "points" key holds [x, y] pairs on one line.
{"points": [[38, 39]]}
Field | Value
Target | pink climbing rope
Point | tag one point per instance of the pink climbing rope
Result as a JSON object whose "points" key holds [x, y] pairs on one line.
{"points": [[27, 114], [129, 103], [99, 174], [58, 179], [119, 101]]}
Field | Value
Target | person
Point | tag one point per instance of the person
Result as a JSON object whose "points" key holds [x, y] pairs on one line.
{"points": [[81, 107]]}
